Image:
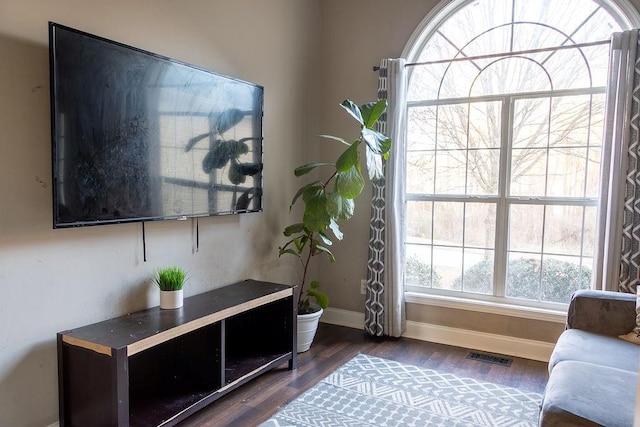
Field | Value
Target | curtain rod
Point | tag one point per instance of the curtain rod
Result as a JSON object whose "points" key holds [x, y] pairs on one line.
{"points": [[497, 55]]}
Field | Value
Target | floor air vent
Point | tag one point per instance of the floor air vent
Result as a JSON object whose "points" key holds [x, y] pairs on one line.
{"points": [[489, 358]]}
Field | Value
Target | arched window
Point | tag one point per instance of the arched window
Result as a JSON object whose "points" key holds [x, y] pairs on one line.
{"points": [[505, 110]]}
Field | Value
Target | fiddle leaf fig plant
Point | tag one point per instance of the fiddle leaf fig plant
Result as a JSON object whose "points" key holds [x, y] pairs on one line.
{"points": [[329, 201]]}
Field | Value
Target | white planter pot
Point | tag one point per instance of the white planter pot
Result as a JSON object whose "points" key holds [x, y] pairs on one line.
{"points": [[170, 299], [307, 326]]}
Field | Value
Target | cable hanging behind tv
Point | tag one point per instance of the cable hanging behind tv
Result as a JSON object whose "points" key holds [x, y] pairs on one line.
{"points": [[139, 137]]}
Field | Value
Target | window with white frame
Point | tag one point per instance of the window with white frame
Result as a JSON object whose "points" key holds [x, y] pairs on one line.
{"points": [[505, 110]]}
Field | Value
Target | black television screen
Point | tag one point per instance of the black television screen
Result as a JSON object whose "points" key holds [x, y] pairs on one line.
{"points": [[138, 136]]}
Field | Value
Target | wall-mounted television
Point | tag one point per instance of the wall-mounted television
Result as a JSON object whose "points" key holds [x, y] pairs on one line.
{"points": [[137, 136]]}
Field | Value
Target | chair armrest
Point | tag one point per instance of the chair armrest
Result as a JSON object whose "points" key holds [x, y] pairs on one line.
{"points": [[602, 312]]}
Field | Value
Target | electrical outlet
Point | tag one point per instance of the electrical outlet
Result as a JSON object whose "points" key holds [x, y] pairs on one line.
{"points": [[363, 286]]}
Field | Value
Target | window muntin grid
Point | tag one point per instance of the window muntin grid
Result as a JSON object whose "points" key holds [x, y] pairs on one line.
{"points": [[499, 167]]}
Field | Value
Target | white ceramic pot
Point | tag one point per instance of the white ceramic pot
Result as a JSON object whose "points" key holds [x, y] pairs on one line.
{"points": [[170, 299], [307, 326]]}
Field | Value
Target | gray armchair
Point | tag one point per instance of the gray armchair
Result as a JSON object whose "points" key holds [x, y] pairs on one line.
{"points": [[592, 372]]}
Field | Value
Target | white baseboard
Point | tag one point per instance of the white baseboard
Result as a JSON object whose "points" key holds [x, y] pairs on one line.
{"points": [[336, 316], [492, 343], [56, 424]]}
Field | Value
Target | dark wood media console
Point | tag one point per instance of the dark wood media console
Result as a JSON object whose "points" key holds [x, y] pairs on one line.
{"points": [[156, 367]]}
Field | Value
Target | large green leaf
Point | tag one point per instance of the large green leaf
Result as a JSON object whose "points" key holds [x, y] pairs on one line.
{"points": [[333, 204], [302, 190], [372, 111], [376, 141], [374, 165], [287, 251], [348, 207], [312, 193], [340, 207], [349, 158], [293, 229], [353, 109], [350, 183], [322, 249], [300, 242], [325, 239], [333, 225], [321, 298], [305, 169], [335, 138], [316, 217]]}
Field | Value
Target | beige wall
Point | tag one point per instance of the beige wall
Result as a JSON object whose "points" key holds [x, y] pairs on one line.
{"points": [[54, 280], [354, 39]]}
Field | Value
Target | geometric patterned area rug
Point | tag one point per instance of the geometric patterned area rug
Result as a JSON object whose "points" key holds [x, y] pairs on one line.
{"points": [[370, 391]]}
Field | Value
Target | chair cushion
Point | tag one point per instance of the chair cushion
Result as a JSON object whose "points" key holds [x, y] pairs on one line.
{"points": [[605, 350], [602, 312], [584, 394]]}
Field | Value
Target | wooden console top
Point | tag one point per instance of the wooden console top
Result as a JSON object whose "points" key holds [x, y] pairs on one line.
{"points": [[144, 329]]}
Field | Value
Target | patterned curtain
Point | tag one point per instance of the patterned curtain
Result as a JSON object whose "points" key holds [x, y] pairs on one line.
{"points": [[384, 303], [618, 253]]}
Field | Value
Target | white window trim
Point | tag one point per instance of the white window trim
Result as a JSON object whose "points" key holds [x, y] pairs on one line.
{"points": [[558, 315]]}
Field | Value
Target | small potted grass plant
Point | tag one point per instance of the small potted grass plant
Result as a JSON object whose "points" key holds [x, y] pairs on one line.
{"points": [[170, 280]]}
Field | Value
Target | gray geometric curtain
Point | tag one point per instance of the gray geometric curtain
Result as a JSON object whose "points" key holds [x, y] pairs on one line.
{"points": [[618, 253], [384, 302], [373, 305], [630, 255]]}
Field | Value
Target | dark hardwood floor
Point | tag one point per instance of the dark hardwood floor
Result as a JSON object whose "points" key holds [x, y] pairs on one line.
{"points": [[257, 400]]}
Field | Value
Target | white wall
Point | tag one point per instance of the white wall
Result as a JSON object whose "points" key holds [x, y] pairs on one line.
{"points": [[55, 280]]}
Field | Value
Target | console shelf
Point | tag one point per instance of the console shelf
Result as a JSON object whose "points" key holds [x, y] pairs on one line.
{"points": [[156, 367]]}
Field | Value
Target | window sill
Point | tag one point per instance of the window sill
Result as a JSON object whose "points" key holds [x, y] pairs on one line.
{"points": [[491, 307]]}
